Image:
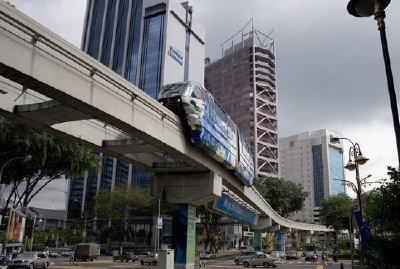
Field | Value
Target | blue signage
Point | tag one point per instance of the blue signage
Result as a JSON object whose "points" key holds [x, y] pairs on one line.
{"points": [[175, 54], [228, 206]]}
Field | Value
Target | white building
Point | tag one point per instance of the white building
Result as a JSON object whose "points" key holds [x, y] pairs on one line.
{"points": [[312, 160]]}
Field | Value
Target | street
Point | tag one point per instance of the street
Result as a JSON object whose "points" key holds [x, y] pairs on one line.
{"points": [[221, 262]]}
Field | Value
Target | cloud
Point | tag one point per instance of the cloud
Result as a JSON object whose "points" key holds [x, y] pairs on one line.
{"points": [[330, 70]]}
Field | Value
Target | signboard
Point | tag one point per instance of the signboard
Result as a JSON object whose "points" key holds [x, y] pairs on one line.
{"points": [[175, 54], [159, 222], [16, 227], [248, 234], [230, 207]]}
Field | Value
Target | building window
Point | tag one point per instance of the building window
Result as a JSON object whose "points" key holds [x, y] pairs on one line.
{"points": [[152, 53], [108, 33], [318, 175], [336, 171], [120, 36], [95, 28]]}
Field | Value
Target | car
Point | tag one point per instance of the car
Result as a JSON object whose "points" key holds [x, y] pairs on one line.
{"points": [[245, 255], [125, 257], [67, 253], [53, 254], [265, 260], [311, 256], [292, 254], [207, 255], [150, 259], [30, 260]]}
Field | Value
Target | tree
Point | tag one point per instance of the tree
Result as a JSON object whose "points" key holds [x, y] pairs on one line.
{"points": [[121, 206], [284, 196], [52, 157], [383, 212], [336, 211], [210, 222], [207, 61]]}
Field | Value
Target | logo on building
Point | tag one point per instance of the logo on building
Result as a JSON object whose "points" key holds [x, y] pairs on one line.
{"points": [[175, 54]]}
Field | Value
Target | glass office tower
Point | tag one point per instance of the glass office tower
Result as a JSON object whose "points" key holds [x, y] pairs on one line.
{"points": [[134, 38], [311, 159]]}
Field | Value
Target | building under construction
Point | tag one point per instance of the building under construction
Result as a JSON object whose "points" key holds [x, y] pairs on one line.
{"points": [[243, 81]]}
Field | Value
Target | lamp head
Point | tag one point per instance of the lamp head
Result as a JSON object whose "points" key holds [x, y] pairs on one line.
{"points": [[351, 165], [366, 8], [360, 159], [335, 139]]}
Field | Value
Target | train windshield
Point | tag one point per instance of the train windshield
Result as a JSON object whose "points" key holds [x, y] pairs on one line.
{"points": [[175, 89]]}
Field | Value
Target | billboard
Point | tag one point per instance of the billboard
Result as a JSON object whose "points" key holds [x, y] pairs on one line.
{"points": [[230, 207], [16, 227]]}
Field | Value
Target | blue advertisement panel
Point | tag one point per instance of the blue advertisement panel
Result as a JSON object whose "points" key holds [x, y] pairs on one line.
{"points": [[228, 206], [183, 233]]}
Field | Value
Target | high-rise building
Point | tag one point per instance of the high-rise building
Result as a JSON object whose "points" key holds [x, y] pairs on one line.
{"points": [[311, 159], [243, 81], [150, 43]]}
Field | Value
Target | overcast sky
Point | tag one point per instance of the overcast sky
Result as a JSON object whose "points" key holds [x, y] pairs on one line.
{"points": [[330, 70]]}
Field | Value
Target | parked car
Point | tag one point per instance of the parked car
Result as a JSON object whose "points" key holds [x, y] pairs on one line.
{"points": [[150, 259], [311, 256], [53, 254], [292, 254], [265, 260], [3, 259], [125, 257], [67, 252], [30, 260], [245, 255], [207, 255]]}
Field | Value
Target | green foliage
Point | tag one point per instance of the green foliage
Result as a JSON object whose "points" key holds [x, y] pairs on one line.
{"points": [[284, 196], [121, 206], [336, 211], [383, 208], [211, 225], [52, 157], [383, 212]]}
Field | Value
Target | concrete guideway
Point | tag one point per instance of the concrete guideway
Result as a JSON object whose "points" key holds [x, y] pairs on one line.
{"points": [[75, 96]]}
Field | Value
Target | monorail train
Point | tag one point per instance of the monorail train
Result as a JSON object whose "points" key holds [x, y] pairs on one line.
{"points": [[209, 127]]}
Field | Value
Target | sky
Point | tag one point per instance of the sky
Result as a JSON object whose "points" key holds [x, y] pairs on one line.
{"points": [[330, 69]]}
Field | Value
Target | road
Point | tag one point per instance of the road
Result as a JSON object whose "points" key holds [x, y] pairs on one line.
{"points": [[222, 262]]}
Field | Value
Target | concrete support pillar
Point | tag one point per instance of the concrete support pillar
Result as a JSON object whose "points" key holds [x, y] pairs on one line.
{"points": [[282, 241], [258, 240], [184, 235], [195, 189]]}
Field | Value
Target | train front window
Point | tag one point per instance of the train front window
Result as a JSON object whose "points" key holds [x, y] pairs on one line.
{"points": [[175, 89]]}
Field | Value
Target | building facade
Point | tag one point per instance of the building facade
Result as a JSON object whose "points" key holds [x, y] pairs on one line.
{"points": [[312, 160], [243, 81], [150, 43]]}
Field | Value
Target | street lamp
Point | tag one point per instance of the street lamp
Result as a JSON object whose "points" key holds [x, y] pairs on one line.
{"points": [[25, 158], [2, 186], [356, 158], [33, 227], [85, 219], [367, 8]]}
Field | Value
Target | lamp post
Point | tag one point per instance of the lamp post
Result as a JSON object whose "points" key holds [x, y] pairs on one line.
{"points": [[355, 159], [85, 219], [367, 8], [2, 186], [33, 229], [25, 158]]}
